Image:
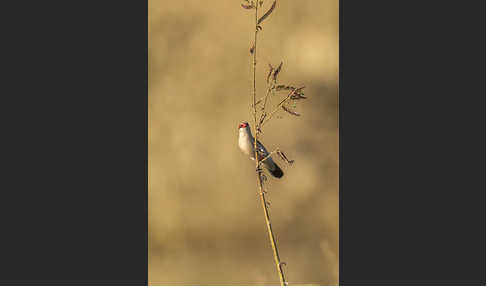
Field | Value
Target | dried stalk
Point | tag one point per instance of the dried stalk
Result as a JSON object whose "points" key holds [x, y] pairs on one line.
{"points": [[259, 174]]}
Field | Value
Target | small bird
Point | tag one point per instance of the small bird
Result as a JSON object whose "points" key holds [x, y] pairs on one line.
{"points": [[246, 144]]}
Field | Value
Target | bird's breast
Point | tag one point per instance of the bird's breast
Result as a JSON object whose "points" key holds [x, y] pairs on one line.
{"points": [[245, 145]]}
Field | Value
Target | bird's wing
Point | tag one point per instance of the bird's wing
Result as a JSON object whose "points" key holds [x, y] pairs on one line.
{"points": [[261, 149]]}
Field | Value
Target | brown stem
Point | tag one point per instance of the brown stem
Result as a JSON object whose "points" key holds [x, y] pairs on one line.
{"points": [[257, 163], [276, 257]]}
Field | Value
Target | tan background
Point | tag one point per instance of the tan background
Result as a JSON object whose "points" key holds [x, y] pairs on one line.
{"points": [[206, 225]]}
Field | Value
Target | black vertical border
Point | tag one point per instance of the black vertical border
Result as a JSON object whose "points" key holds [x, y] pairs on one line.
{"points": [[375, 191], [74, 110], [411, 152]]}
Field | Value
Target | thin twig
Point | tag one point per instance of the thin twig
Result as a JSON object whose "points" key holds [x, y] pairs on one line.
{"points": [[269, 155], [269, 89], [264, 113], [264, 98], [281, 154], [278, 107], [254, 75], [257, 164], [261, 99]]}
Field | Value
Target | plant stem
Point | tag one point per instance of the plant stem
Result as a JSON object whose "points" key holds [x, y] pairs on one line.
{"points": [[257, 164], [254, 75], [270, 234]]}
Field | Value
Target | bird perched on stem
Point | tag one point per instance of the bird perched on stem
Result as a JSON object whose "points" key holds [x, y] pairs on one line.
{"points": [[246, 144]]}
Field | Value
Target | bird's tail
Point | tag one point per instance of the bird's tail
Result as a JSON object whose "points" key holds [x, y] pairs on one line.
{"points": [[274, 169]]}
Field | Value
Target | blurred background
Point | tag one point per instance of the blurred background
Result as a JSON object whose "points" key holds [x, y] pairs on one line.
{"points": [[206, 224]]}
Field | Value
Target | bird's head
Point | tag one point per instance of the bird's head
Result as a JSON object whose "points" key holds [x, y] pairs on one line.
{"points": [[243, 124]]}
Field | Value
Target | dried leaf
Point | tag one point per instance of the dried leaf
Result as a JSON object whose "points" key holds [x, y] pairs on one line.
{"points": [[247, 6], [270, 72], [290, 111], [262, 118], [275, 74], [284, 87], [299, 90], [267, 13], [297, 96], [283, 157]]}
